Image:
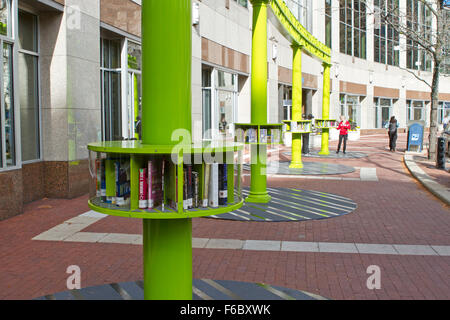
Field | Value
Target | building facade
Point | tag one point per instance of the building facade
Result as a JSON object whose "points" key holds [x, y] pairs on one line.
{"points": [[72, 75]]}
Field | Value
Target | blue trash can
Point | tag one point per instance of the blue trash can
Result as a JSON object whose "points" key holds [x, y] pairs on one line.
{"points": [[416, 131]]}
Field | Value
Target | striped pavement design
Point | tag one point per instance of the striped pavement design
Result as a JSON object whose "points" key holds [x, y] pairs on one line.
{"points": [[292, 205], [202, 289]]}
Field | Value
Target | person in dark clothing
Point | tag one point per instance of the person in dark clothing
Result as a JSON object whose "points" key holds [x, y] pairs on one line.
{"points": [[392, 132], [343, 128]]}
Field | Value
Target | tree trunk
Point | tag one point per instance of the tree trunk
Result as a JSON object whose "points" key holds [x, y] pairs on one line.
{"points": [[434, 112]]}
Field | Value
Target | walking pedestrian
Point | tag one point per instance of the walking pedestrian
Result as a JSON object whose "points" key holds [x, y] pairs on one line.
{"points": [[343, 128], [392, 132]]}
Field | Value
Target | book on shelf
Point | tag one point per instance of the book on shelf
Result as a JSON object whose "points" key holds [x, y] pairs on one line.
{"points": [[275, 136], [143, 188], [294, 126], [185, 190], [110, 192], [196, 196], [251, 135], [155, 173], [103, 180], [263, 136], [213, 193], [205, 195], [122, 173], [223, 184], [98, 177]]}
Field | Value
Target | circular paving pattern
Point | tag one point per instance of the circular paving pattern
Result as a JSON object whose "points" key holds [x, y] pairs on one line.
{"points": [[333, 155], [309, 168], [202, 289], [292, 205]]}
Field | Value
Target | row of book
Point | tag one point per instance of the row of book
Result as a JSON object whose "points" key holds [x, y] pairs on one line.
{"points": [[121, 195], [325, 124], [265, 135], [301, 126], [158, 184]]}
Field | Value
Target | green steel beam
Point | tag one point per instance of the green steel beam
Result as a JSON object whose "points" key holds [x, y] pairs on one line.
{"points": [[258, 185], [326, 108], [298, 33], [297, 97]]}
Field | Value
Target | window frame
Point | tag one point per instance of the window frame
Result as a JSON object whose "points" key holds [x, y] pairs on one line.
{"points": [[12, 40], [346, 29], [38, 78]]}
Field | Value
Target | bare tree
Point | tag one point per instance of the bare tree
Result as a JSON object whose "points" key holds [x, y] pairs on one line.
{"points": [[434, 42]]}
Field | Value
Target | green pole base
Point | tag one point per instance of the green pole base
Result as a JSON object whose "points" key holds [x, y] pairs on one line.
{"points": [[167, 248], [258, 197], [324, 152], [296, 165]]}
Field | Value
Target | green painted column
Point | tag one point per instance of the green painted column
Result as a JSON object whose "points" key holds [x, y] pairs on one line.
{"points": [[166, 107], [167, 259], [166, 69], [326, 108], [297, 96], [258, 185]]}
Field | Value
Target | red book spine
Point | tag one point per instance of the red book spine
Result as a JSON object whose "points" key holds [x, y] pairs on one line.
{"points": [[143, 189]]}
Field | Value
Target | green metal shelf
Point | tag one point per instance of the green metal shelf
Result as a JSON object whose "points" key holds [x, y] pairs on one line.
{"points": [[258, 127], [168, 213], [288, 124], [137, 147], [319, 121]]}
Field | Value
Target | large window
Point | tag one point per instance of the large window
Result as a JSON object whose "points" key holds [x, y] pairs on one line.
{"points": [[302, 10], [328, 23], [416, 110], [352, 28], [443, 110], [111, 89], [219, 89], [351, 109], [7, 114], [383, 112], [29, 86], [419, 19], [134, 88], [386, 38]]}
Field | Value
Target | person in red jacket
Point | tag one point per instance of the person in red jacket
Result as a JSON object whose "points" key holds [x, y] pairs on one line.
{"points": [[343, 128]]}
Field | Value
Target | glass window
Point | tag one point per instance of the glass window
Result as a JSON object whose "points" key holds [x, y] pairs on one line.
{"points": [[383, 112], [353, 28], [302, 10], [134, 56], [419, 20], [111, 90], [5, 17], [29, 86], [219, 94], [207, 102], [8, 104], [351, 108], [386, 40], [328, 23], [243, 3], [416, 110]]}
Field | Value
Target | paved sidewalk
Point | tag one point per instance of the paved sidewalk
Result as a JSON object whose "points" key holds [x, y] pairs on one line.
{"points": [[398, 226], [435, 180]]}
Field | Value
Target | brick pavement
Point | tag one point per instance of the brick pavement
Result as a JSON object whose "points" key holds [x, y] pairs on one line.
{"points": [[394, 210]]}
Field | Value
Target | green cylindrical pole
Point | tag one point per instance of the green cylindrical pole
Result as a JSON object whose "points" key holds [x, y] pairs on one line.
{"points": [[166, 107], [167, 259], [258, 185], [297, 97], [326, 108], [166, 69]]}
